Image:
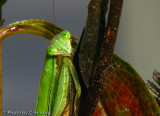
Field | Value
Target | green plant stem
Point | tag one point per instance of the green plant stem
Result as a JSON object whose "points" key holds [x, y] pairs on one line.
{"points": [[0, 78], [1, 17], [0, 65]]}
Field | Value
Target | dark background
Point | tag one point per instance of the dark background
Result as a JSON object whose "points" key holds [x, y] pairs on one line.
{"points": [[137, 42]]}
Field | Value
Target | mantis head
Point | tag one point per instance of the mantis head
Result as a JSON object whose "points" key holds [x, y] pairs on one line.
{"points": [[60, 45]]}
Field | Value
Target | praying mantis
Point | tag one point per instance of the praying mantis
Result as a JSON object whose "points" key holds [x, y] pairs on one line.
{"points": [[54, 87]]}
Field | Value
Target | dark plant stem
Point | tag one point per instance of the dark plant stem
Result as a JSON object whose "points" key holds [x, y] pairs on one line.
{"points": [[89, 46], [106, 52], [92, 38], [96, 50]]}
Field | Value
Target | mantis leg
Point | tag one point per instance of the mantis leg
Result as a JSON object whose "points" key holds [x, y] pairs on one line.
{"points": [[54, 84], [44, 86], [76, 82], [61, 97]]}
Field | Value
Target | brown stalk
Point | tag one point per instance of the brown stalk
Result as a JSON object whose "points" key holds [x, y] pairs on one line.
{"points": [[96, 50]]}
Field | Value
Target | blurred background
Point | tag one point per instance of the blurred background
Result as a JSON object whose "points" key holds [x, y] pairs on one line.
{"points": [[137, 42]]}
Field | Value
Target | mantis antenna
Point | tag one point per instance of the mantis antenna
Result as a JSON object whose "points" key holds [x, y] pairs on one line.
{"points": [[53, 13]]}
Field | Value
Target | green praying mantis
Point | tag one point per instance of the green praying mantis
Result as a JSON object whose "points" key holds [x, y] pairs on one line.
{"points": [[54, 87]]}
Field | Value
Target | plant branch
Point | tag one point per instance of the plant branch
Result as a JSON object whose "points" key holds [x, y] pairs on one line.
{"points": [[98, 41], [104, 67], [91, 40]]}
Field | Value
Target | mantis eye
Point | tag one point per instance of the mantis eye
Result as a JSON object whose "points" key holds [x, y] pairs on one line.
{"points": [[65, 34], [51, 50]]}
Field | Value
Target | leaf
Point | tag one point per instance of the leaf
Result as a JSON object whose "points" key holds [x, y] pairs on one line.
{"points": [[39, 23], [31, 29], [34, 26], [99, 111], [2, 2], [126, 94]]}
